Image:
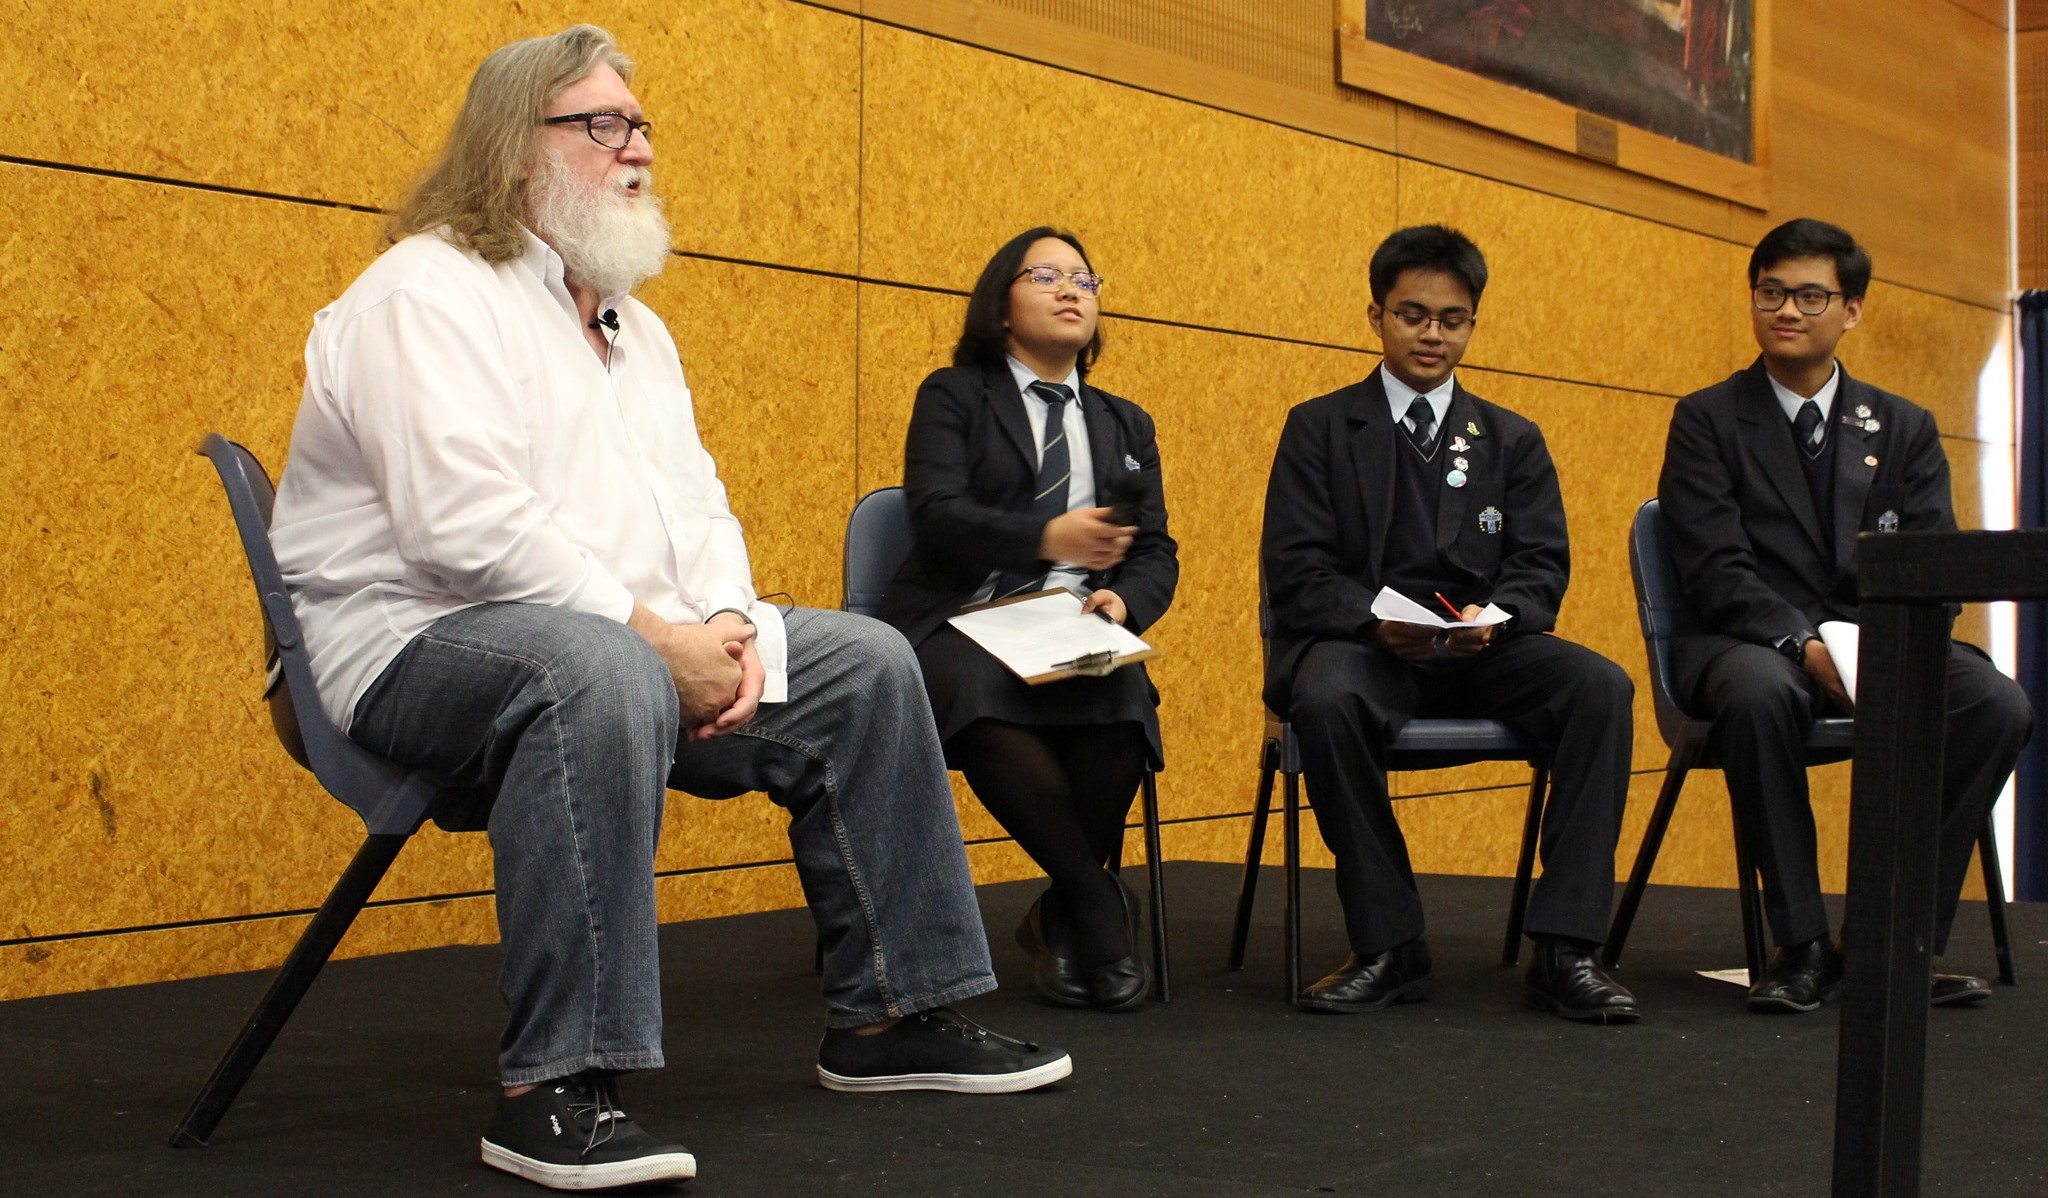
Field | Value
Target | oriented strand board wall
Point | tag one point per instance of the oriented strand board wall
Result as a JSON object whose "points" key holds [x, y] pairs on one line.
{"points": [[837, 174]]}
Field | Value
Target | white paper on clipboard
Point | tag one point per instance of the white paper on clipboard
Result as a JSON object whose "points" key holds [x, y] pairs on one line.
{"points": [[1041, 637]]}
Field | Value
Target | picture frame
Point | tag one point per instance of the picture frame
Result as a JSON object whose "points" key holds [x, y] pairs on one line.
{"points": [[1608, 137]]}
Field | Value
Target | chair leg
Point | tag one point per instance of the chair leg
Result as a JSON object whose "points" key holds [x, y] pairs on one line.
{"points": [[315, 945], [1525, 866], [1675, 771], [1291, 917], [1994, 898], [1753, 933], [1162, 968], [1254, 852]]}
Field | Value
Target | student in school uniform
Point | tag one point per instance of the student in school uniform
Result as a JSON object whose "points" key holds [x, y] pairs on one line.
{"points": [[1020, 476], [1407, 480]]}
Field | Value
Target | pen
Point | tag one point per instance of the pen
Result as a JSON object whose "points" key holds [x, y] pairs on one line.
{"points": [[1455, 613]]}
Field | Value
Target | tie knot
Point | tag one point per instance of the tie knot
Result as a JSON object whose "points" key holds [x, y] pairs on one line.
{"points": [[1807, 422], [1422, 421], [1052, 393]]}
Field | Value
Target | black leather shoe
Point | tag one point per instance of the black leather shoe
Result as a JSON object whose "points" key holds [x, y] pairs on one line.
{"points": [[1120, 985], [1400, 974], [1566, 977], [1958, 990], [1800, 978], [1058, 978]]}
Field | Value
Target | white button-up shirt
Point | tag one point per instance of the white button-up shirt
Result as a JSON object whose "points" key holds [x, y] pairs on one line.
{"points": [[458, 443]]}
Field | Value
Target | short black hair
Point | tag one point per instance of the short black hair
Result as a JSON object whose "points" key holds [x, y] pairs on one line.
{"points": [[984, 341], [1809, 238], [1427, 247]]}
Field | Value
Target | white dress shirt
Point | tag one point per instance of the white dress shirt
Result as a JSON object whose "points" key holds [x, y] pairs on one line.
{"points": [[458, 443], [1400, 395], [1080, 488], [1824, 398]]}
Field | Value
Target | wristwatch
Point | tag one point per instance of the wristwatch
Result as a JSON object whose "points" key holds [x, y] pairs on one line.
{"points": [[1794, 647]]}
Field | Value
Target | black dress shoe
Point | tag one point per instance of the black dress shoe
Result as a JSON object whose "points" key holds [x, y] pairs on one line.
{"points": [[1958, 990], [1566, 978], [1120, 985], [1058, 978], [1800, 978], [1399, 974]]}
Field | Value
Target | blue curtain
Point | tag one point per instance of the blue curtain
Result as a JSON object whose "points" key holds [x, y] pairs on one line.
{"points": [[2030, 844]]}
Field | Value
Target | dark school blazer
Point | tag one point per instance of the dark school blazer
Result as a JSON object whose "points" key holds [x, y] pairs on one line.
{"points": [[970, 469], [1331, 494], [1740, 521]]}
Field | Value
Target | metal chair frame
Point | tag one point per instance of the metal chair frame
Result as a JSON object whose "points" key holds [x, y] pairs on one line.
{"points": [[1660, 606], [1423, 744]]}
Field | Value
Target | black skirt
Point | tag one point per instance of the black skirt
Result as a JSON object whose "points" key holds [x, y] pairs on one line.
{"points": [[967, 683]]}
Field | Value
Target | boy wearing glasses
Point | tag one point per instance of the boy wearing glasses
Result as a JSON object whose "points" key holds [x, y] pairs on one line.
{"points": [[1409, 482], [1768, 478]]}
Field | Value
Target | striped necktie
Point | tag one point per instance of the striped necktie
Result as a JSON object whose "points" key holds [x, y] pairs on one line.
{"points": [[1055, 478], [1422, 426]]}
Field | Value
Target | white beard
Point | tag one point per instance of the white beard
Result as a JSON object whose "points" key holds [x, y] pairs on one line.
{"points": [[610, 240]]}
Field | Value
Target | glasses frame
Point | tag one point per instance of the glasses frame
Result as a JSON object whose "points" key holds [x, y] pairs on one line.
{"points": [[1071, 276], [1792, 295], [1425, 318], [632, 127]]}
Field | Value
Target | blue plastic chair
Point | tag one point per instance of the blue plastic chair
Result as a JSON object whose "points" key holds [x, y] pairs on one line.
{"points": [[1422, 744], [878, 540], [1660, 606], [393, 801]]}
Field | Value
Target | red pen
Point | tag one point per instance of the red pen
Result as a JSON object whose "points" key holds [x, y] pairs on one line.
{"points": [[1455, 613]]}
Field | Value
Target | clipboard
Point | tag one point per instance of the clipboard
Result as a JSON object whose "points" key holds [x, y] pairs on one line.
{"points": [[1045, 637]]}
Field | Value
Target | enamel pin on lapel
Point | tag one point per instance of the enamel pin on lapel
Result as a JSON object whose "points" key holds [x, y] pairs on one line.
{"points": [[1472, 426], [1455, 478], [1489, 520], [1888, 521], [1461, 463], [1130, 463], [1863, 411], [1871, 460], [1459, 445]]}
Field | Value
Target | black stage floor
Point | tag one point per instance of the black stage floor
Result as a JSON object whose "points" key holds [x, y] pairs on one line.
{"points": [[383, 1082]]}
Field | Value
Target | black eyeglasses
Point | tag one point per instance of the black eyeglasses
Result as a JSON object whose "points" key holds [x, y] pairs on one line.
{"points": [[1452, 323], [1087, 282], [612, 130], [1768, 297]]}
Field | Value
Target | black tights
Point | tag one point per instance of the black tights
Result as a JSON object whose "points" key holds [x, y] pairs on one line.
{"points": [[1063, 791]]}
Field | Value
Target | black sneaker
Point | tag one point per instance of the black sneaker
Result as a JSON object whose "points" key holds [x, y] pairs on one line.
{"points": [[569, 1134], [939, 1049]]}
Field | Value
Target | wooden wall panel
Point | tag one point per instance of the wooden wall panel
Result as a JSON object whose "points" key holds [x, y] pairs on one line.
{"points": [[1888, 117], [1576, 292], [1208, 219], [348, 103], [2030, 63], [1865, 135], [1229, 189], [128, 619]]}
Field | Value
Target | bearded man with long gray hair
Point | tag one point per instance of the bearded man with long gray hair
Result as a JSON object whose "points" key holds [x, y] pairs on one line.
{"points": [[515, 566]]}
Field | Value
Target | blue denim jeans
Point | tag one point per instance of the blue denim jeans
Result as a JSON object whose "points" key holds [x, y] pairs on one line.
{"points": [[571, 720]]}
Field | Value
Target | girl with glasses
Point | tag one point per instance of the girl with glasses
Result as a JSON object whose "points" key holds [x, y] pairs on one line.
{"points": [[1020, 476]]}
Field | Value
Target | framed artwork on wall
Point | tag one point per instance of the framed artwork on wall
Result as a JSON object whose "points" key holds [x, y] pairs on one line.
{"points": [[1673, 89]]}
